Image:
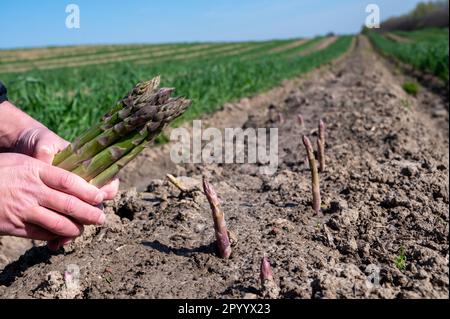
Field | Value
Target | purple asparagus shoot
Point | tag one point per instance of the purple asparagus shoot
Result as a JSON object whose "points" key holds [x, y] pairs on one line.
{"points": [[280, 118], [300, 120], [266, 270], [269, 288], [220, 227]]}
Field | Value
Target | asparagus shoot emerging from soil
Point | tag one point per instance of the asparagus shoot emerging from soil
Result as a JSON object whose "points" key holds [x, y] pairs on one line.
{"points": [[220, 228], [280, 118], [300, 120], [175, 182], [269, 288], [321, 146], [314, 174]]}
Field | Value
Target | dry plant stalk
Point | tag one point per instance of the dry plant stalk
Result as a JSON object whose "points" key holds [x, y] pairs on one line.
{"points": [[314, 175], [220, 227], [321, 147], [176, 182], [269, 289]]}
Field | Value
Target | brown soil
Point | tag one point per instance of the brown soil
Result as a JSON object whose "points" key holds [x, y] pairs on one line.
{"points": [[385, 191]]}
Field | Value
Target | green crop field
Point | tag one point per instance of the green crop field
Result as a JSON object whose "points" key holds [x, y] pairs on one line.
{"points": [[427, 35], [426, 50], [69, 88]]}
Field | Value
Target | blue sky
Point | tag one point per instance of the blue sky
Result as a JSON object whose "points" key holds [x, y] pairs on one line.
{"points": [[29, 23]]}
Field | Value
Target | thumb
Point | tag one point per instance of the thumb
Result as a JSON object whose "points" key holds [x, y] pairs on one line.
{"points": [[48, 146], [44, 153]]}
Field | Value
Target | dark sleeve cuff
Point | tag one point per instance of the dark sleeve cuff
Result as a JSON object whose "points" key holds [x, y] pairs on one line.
{"points": [[3, 92]]}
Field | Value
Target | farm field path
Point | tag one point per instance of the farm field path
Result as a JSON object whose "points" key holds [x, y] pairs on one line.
{"points": [[384, 214]]}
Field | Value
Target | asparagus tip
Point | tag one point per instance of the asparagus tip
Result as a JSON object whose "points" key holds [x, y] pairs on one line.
{"points": [[300, 119], [266, 270], [210, 192], [307, 143], [269, 288]]}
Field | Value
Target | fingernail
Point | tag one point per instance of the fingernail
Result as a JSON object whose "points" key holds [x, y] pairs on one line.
{"points": [[99, 198], [101, 219]]}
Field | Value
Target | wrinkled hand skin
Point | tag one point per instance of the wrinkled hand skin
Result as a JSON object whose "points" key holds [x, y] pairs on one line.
{"points": [[43, 202], [43, 144], [32, 192], [40, 143]]}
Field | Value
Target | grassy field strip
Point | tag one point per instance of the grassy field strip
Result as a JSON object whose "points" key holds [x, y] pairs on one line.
{"points": [[312, 46], [428, 35], [282, 53], [261, 49], [36, 54], [236, 53], [243, 51], [67, 54], [194, 50], [113, 56], [211, 52], [74, 58], [166, 55], [426, 56], [40, 51], [120, 58], [263, 57], [228, 82], [84, 53], [323, 44], [68, 100], [397, 38], [94, 56], [291, 45]]}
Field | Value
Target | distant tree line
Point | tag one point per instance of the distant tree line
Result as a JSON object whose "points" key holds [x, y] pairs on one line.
{"points": [[432, 14]]}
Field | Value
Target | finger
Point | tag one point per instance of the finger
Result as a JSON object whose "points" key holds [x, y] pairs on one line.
{"points": [[59, 242], [48, 145], [34, 232], [53, 244], [44, 153], [54, 222], [72, 207], [69, 183], [111, 189]]}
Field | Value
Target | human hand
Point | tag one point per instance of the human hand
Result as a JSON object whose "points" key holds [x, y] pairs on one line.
{"points": [[43, 144], [43, 202]]}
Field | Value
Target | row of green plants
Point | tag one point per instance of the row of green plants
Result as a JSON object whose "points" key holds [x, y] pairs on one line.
{"points": [[69, 100], [430, 55]]}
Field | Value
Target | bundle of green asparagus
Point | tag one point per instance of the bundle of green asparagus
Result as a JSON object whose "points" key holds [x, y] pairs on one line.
{"points": [[103, 150]]}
